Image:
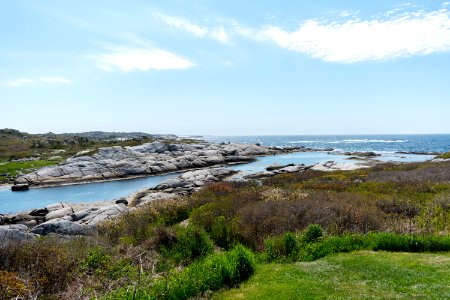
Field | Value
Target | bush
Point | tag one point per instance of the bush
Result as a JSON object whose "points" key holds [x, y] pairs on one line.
{"points": [[407, 243], [309, 251], [13, 287], [48, 264], [285, 247], [212, 273], [312, 233], [189, 244], [136, 227]]}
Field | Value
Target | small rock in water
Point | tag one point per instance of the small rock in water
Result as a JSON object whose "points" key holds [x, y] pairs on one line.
{"points": [[122, 200], [20, 187]]}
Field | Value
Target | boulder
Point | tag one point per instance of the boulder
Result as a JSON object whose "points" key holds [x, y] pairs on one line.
{"points": [[122, 201], [15, 234], [103, 213], [82, 214], [38, 212], [63, 227], [59, 213], [276, 166], [20, 187], [54, 206]]}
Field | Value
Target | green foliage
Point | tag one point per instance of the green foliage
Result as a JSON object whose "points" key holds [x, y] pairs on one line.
{"points": [[139, 226], [445, 155], [212, 273], [312, 233], [189, 244], [15, 168], [285, 246], [97, 259], [377, 241]]}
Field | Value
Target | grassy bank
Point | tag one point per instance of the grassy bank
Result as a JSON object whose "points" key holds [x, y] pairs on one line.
{"points": [[359, 275], [9, 170]]}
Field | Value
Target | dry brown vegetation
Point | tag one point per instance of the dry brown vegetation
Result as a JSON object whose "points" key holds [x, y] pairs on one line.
{"points": [[148, 245]]}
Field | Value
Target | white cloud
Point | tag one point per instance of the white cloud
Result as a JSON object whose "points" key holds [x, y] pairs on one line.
{"points": [[356, 40], [182, 24], [18, 82], [129, 59], [28, 81], [219, 34]]}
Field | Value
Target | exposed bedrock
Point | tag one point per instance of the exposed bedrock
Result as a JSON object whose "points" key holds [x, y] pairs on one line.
{"points": [[147, 159]]}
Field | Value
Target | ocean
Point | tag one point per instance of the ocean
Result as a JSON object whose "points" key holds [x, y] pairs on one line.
{"points": [[349, 143]]}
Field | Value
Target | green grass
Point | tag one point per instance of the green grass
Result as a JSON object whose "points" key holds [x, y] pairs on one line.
{"points": [[14, 168], [358, 275], [444, 155]]}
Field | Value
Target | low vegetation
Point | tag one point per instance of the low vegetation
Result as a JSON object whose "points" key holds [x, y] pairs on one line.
{"points": [[445, 155], [215, 239]]}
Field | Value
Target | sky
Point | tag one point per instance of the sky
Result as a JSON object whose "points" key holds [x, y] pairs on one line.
{"points": [[232, 67]]}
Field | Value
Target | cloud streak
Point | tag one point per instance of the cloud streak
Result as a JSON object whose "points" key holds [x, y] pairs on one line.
{"points": [[29, 81], [128, 59], [218, 34], [355, 40]]}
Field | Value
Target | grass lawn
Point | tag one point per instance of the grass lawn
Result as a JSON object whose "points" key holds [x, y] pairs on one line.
{"points": [[359, 275]]}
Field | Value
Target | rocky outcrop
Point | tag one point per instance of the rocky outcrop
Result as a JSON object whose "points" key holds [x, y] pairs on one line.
{"points": [[275, 170], [185, 184], [147, 159], [62, 227], [334, 166], [368, 154]]}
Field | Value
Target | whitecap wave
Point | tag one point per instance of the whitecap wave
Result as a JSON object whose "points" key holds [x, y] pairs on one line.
{"points": [[373, 141], [304, 142]]}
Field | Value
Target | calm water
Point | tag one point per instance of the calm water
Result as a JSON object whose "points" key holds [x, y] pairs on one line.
{"points": [[386, 145], [90, 192]]}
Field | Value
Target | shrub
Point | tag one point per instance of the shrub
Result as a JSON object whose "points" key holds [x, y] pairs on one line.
{"points": [[330, 245], [13, 287], [48, 264], [407, 243], [312, 233], [137, 226], [212, 273], [352, 242], [189, 244], [282, 247]]}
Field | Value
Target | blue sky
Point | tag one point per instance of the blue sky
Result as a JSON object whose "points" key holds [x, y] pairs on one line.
{"points": [[226, 67]]}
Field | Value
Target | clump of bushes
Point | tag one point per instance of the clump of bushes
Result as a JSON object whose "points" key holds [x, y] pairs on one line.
{"points": [[186, 245], [212, 273], [311, 245], [46, 265], [138, 226]]}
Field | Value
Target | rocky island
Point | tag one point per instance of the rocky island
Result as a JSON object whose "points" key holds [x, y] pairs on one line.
{"points": [[111, 163]]}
